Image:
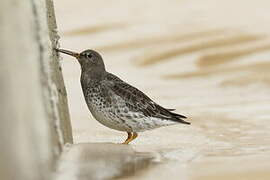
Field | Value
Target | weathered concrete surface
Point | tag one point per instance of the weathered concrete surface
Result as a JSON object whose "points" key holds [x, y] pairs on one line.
{"points": [[208, 59], [34, 122], [58, 96]]}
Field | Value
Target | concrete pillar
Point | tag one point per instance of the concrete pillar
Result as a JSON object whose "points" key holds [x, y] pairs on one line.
{"points": [[34, 118]]}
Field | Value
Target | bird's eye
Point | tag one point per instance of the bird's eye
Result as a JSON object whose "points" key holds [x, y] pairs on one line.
{"points": [[89, 56]]}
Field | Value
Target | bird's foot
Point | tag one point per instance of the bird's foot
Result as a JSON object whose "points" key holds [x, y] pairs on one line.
{"points": [[130, 137]]}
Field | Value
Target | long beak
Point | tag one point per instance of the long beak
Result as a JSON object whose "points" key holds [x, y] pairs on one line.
{"points": [[74, 54]]}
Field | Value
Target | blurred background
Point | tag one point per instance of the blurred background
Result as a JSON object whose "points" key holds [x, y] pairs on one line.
{"points": [[208, 59]]}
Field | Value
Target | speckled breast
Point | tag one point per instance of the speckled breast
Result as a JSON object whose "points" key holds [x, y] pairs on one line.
{"points": [[102, 109]]}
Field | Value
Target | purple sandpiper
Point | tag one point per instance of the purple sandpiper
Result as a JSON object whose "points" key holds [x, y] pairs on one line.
{"points": [[115, 103]]}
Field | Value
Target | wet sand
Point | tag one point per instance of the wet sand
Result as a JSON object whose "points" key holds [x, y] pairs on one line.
{"points": [[209, 60]]}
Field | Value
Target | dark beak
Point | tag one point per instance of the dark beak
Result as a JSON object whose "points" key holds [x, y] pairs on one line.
{"points": [[74, 54]]}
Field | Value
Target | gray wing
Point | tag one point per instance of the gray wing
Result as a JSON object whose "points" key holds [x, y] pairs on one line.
{"points": [[137, 101]]}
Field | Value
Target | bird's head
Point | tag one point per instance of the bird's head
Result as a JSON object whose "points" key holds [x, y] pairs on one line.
{"points": [[88, 59]]}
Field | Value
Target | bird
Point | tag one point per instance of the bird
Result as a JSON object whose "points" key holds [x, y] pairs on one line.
{"points": [[117, 104]]}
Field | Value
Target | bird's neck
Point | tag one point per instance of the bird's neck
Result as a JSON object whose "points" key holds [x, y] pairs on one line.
{"points": [[91, 77]]}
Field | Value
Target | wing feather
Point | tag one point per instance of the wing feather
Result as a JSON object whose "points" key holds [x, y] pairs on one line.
{"points": [[137, 101]]}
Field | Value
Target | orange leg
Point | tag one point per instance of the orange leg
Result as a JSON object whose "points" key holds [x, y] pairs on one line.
{"points": [[130, 137]]}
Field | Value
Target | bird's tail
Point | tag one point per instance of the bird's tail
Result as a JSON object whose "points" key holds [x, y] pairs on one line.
{"points": [[179, 118]]}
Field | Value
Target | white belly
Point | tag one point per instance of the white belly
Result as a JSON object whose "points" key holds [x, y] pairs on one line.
{"points": [[138, 124], [109, 120]]}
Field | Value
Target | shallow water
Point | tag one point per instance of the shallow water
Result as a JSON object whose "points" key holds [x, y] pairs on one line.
{"points": [[211, 65]]}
